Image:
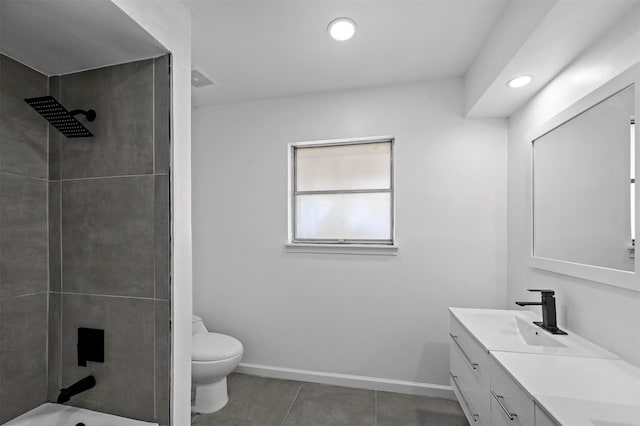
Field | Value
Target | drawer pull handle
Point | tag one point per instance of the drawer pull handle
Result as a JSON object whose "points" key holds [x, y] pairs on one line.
{"points": [[499, 398], [464, 400], [473, 365]]}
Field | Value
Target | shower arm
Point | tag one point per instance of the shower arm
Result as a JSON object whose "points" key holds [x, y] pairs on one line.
{"points": [[91, 114]]}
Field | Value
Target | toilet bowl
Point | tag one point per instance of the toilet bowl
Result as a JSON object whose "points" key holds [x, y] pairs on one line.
{"points": [[213, 357]]}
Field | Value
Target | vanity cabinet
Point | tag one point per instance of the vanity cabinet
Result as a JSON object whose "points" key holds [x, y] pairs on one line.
{"points": [[487, 394], [470, 374]]}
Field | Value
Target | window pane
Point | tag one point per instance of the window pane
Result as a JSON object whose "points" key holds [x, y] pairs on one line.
{"points": [[360, 166], [344, 216]]}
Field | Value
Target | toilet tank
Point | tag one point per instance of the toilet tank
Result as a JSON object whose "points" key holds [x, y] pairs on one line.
{"points": [[197, 326]]}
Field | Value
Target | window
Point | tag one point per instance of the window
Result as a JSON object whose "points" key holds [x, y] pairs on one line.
{"points": [[341, 192]]}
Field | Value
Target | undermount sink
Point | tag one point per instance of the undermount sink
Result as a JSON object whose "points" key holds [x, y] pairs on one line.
{"points": [[514, 331], [533, 335]]}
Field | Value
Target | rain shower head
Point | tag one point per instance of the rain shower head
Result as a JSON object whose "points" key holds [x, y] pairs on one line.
{"points": [[60, 118]]}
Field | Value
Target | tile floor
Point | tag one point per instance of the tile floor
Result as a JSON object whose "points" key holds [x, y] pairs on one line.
{"points": [[259, 401]]}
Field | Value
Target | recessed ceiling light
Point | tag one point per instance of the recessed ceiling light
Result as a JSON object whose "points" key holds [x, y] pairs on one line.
{"points": [[523, 80], [342, 29]]}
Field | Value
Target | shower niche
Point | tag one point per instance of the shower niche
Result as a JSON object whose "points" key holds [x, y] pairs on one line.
{"points": [[84, 211]]}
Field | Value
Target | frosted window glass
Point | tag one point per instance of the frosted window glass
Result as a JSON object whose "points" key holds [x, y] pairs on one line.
{"points": [[339, 167], [344, 216]]}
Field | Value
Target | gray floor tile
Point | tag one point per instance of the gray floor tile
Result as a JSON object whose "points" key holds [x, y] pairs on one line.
{"points": [[324, 405], [410, 410], [253, 401]]}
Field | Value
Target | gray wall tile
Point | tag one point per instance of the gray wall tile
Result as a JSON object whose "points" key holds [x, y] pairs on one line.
{"points": [[55, 205], [108, 236], [23, 333], [122, 97], [163, 360], [23, 235], [54, 342], [125, 379], [23, 132], [162, 113], [162, 236], [55, 136]]}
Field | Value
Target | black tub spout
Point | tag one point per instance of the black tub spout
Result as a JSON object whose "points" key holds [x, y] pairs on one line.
{"points": [[76, 388]]}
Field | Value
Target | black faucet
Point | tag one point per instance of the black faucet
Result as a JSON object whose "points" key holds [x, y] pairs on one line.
{"points": [[76, 388], [548, 311]]}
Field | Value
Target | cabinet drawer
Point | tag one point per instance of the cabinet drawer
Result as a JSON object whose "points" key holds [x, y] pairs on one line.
{"points": [[510, 405], [470, 367], [475, 356], [471, 395]]}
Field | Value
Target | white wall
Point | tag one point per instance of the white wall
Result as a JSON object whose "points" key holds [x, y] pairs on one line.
{"points": [[169, 22], [607, 315], [378, 316]]}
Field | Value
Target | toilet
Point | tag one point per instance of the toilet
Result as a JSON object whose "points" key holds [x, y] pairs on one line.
{"points": [[213, 357]]}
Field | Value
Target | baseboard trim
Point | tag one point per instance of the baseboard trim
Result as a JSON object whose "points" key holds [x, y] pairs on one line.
{"points": [[348, 380]]}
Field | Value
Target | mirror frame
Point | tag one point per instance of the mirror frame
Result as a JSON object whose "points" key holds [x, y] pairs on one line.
{"points": [[626, 279]]}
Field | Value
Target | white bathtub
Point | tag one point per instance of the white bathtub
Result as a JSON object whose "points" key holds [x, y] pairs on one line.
{"points": [[64, 415]]}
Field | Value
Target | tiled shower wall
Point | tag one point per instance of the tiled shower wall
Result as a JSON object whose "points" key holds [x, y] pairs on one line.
{"points": [[107, 199], [23, 241], [109, 203]]}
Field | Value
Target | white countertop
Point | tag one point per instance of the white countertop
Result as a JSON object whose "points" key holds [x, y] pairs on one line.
{"points": [[577, 384], [578, 391], [498, 330]]}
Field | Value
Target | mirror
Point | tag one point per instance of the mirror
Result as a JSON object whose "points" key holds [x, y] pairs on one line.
{"points": [[583, 186]]}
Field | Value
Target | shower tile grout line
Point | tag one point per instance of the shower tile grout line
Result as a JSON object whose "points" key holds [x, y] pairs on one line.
{"points": [[25, 176], [60, 212], [109, 295], [155, 278], [112, 177], [4, 299], [375, 407], [153, 115], [291, 405], [48, 296]]}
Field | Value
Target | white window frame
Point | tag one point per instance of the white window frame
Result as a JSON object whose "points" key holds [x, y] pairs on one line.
{"points": [[340, 246]]}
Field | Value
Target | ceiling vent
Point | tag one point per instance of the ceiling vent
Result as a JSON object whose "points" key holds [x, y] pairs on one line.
{"points": [[198, 79]]}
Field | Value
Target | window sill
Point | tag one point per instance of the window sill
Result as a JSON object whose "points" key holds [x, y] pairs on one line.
{"points": [[366, 249]]}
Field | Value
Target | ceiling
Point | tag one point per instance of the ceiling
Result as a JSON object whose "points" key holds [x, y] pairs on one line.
{"points": [[266, 48], [64, 36], [256, 49]]}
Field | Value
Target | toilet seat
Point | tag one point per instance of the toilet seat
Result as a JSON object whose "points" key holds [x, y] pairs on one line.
{"points": [[214, 347]]}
